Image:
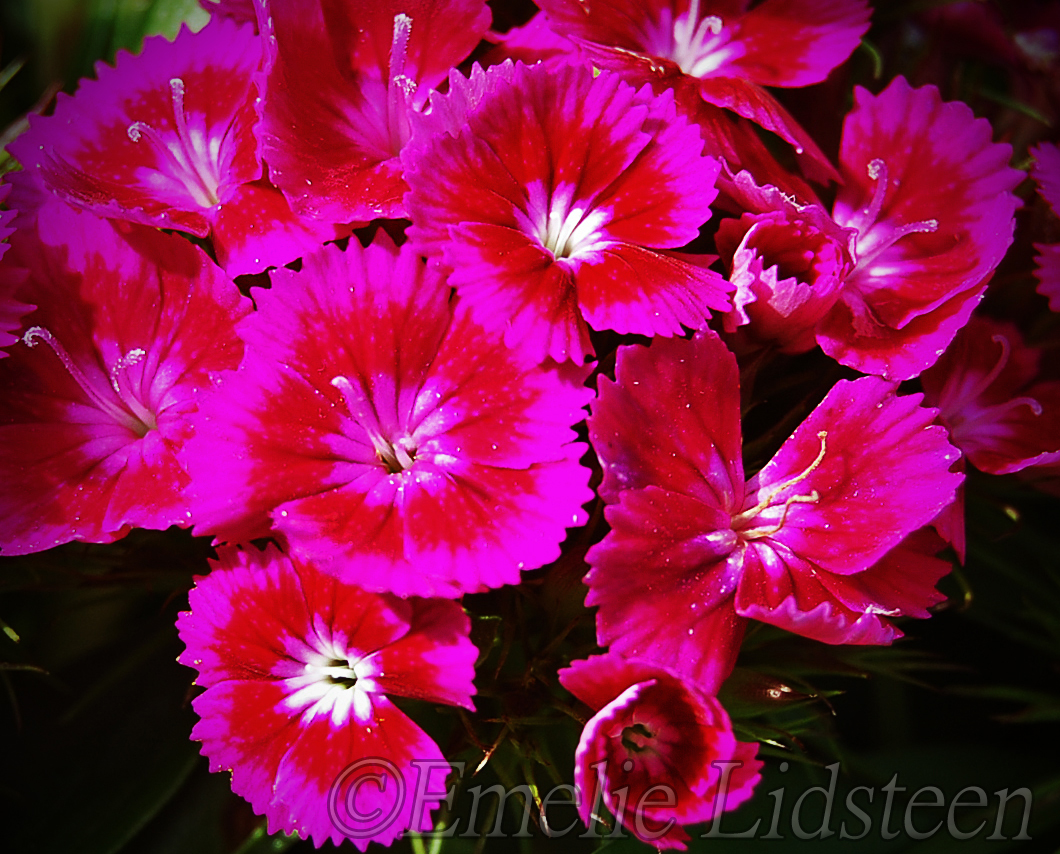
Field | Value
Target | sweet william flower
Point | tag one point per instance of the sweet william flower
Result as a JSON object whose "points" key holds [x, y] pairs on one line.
{"points": [[96, 397], [590, 181], [386, 436], [298, 670], [658, 753], [987, 389], [812, 543], [930, 196], [165, 138]]}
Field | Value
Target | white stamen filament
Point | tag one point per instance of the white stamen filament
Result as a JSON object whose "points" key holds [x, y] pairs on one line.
{"points": [[812, 497], [187, 163], [397, 456], [400, 87], [873, 241], [136, 417]]}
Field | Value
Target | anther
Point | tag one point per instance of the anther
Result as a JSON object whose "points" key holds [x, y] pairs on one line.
{"points": [[813, 497]]}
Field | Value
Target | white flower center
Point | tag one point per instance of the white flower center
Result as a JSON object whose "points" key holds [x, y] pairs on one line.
{"points": [[335, 683], [565, 228]]}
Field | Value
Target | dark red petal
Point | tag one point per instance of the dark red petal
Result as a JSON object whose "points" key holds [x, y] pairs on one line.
{"points": [[672, 419], [663, 579]]}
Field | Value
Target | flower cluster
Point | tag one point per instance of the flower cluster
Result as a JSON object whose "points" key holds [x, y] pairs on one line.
{"points": [[312, 275]]}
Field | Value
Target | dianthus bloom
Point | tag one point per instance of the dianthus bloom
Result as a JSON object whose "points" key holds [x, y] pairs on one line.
{"points": [[930, 196], [95, 399], [297, 669], [386, 436], [806, 544], [589, 181], [165, 138], [658, 753]]}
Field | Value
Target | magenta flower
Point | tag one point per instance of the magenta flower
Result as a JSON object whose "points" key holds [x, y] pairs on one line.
{"points": [[931, 199], [297, 669], [988, 394], [1046, 172], [388, 438], [722, 52], [165, 138], [589, 180], [96, 398], [808, 544], [658, 753], [341, 82]]}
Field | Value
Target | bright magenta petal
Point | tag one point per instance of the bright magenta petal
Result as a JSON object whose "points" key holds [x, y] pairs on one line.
{"points": [[663, 579], [256, 228], [797, 42]]}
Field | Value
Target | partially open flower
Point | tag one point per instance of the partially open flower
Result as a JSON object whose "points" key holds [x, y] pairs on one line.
{"points": [[658, 753]]}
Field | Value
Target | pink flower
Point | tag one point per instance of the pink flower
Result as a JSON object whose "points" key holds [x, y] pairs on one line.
{"points": [[589, 180], [931, 199], [165, 138], [386, 436], [658, 753], [297, 669], [97, 397], [988, 394], [341, 82], [1046, 171], [722, 52], [807, 544]]}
